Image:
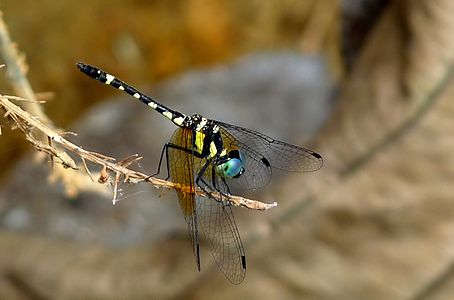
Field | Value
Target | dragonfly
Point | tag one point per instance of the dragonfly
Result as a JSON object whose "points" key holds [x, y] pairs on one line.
{"points": [[220, 159]]}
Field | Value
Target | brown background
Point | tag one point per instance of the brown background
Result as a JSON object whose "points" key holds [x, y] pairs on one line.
{"points": [[375, 223]]}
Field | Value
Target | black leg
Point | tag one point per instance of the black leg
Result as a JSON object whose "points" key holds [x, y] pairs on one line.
{"points": [[200, 176], [164, 150], [201, 183], [168, 145], [227, 186], [213, 182]]}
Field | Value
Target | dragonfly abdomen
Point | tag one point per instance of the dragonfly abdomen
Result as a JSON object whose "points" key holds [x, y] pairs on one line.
{"points": [[176, 117]]}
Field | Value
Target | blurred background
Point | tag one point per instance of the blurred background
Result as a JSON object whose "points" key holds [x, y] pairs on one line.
{"points": [[366, 83]]}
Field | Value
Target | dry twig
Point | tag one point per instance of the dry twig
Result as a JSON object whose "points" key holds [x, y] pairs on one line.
{"points": [[27, 123]]}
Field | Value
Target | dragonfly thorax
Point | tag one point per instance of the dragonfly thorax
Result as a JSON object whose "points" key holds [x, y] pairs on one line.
{"points": [[199, 123], [207, 140]]}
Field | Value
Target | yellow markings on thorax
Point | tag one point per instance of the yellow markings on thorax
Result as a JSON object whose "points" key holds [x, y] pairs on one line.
{"points": [[198, 142], [213, 149]]}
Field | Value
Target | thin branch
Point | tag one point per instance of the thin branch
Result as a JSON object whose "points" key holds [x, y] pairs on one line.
{"points": [[26, 122], [16, 70], [116, 184], [86, 169], [16, 98]]}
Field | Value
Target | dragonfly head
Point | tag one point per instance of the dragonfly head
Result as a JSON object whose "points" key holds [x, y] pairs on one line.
{"points": [[231, 165]]}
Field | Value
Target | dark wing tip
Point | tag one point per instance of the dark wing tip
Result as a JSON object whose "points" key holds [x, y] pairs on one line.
{"points": [[266, 162], [320, 161], [198, 257], [317, 155], [243, 261], [238, 277]]}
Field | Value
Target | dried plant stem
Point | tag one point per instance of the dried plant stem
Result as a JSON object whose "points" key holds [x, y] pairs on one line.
{"points": [[26, 122], [16, 71]]}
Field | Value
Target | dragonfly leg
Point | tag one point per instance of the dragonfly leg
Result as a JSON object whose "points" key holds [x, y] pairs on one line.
{"points": [[204, 186], [213, 182], [164, 151], [199, 180]]}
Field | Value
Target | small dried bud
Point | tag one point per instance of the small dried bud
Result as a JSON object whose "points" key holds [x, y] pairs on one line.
{"points": [[103, 176]]}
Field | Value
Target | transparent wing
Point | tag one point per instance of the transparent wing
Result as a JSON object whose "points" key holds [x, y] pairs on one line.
{"points": [[217, 223], [180, 164], [205, 216], [257, 171], [264, 153]]}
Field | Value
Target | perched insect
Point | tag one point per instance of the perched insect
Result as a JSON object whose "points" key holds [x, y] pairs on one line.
{"points": [[218, 158]]}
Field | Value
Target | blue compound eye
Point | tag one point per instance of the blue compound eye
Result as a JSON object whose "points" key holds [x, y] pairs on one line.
{"points": [[231, 168], [233, 165]]}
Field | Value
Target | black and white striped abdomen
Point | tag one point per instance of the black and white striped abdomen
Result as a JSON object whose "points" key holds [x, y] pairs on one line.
{"points": [[106, 78]]}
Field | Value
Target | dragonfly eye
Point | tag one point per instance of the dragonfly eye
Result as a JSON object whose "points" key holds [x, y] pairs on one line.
{"points": [[232, 168], [232, 165]]}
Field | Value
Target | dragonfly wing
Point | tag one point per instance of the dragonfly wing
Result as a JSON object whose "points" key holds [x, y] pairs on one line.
{"points": [[257, 171], [181, 171], [218, 226], [206, 217], [265, 150]]}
